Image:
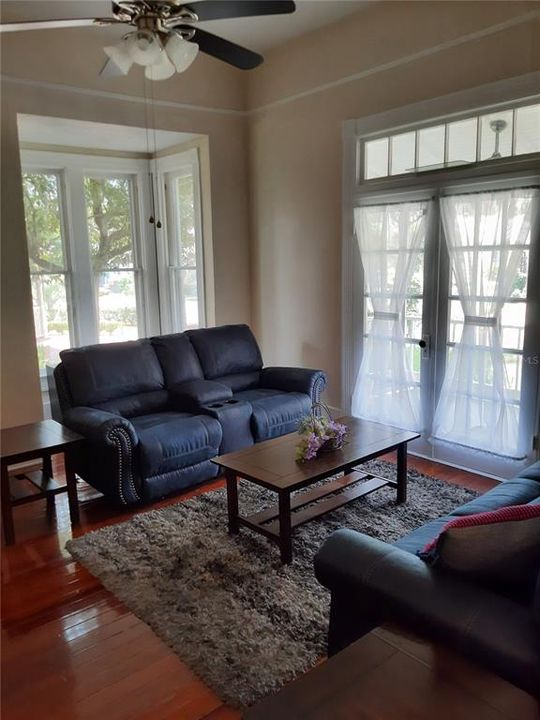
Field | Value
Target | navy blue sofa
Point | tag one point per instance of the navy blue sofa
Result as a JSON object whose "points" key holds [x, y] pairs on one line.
{"points": [[155, 411], [373, 582]]}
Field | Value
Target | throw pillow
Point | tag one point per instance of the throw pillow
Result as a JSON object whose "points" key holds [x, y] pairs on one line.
{"points": [[500, 547]]}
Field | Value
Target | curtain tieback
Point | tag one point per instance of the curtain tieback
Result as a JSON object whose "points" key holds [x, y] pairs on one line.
{"points": [[379, 315], [482, 321]]}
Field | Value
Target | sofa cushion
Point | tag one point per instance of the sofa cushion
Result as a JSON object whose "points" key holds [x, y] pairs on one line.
{"points": [[192, 394], [417, 540], [98, 373], [178, 358], [241, 381], [274, 413], [511, 492], [133, 405], [500, 548], [226, 350], [169, 441]]}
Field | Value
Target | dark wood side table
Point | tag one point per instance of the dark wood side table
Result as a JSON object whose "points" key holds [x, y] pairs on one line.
{"points": [[40, 440], [376, 678]]}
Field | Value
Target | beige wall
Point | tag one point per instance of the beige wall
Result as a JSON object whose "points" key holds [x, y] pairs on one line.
{"points": [[284, 277], [398, 53], [208, 99]]}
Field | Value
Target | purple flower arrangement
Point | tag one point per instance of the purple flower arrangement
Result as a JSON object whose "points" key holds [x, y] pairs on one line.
{"points": [[319, 434]]}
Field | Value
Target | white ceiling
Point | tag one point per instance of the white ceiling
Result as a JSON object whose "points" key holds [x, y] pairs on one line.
{"points": [[96, 136], [259, 34]]}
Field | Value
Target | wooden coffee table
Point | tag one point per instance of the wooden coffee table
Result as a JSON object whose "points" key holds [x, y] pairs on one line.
{"points": [[272, 465]]}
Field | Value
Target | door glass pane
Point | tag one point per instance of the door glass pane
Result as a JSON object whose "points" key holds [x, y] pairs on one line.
{"points": [[109, 203], [528, 129], [430, 147], [376, 158], [496, 135], [403, 149], [462, 141]]}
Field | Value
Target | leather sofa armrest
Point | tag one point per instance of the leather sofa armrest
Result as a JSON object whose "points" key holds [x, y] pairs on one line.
{"points": [[104, 428], [398, 586], [191, 395], [290, 379], [98, 425]]}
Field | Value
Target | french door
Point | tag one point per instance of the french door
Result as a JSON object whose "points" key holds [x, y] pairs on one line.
{"points": [[449, 331]]}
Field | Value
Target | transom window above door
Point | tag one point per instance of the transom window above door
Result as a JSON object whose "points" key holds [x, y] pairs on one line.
{"points": [[492, 135]]}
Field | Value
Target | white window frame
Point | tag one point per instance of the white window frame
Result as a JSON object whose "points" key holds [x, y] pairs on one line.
{"points": [[72, 169], [166, 170], [487, 175]]}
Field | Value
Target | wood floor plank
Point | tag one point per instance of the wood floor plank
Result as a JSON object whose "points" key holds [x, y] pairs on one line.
{"points": [[71, 649]]}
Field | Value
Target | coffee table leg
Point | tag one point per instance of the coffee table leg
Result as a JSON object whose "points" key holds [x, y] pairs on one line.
{"points": [[285, 532], [402, 473], [232, 501], [7, 510], [71, 482]]}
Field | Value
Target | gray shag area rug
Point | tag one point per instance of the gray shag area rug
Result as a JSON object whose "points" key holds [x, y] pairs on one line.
{"points": [[244, 623]]}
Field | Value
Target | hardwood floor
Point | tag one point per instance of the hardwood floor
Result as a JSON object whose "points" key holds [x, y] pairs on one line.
{"points": [[71, 650]]}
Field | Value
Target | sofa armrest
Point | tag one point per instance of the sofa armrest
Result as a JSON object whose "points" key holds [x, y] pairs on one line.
{"points": [[193, 394], [98, 425], [290, 379], [105, 428], [395, 585]]}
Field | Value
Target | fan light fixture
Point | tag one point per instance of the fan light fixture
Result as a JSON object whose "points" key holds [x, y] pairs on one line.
{"points": [[144, 47]]}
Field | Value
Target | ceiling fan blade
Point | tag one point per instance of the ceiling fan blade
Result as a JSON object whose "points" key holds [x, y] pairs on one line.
{"points": [[222, 9], [54, 24], [225, 50]]}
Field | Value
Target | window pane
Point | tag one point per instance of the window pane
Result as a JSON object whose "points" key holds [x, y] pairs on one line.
{"points": [[109, 207], [116, 306], [513, 325], [519, 287], [513, 365], [185, 209], [189, 298], [376, 158], [43, 222], [430, 147], [496, 135], [51, 318], [528, 129], [413, 318], [462, 141], [403, 148]]}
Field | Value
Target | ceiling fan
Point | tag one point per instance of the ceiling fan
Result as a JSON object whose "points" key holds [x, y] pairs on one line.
{"points": [[166, 38]]}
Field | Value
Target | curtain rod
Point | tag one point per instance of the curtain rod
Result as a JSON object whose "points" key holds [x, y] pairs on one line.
{"points": [[497, 190], [450, 194]]}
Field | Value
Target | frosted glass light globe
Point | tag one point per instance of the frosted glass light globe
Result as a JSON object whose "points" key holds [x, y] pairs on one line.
{"points": [[181, 52], [163, 69], [144, 47]]}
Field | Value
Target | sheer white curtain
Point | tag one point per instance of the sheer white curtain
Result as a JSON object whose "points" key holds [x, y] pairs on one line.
{"points": [[486, 234], [390, 239]]}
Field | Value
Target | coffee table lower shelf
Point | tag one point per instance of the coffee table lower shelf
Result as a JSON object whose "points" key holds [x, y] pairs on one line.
{"points": [[277, 521]]}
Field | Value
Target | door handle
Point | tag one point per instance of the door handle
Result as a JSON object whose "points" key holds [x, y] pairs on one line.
{"points": [[425, 345]]}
